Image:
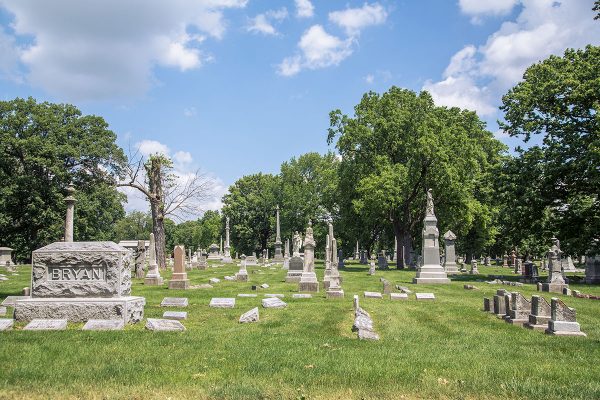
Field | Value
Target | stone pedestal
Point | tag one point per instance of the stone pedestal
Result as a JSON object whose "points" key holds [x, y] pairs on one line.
{"points": [[296, 266], [563, 320], [308, 279], [450, 255], [242, 274], [540, 314], [153, 277], [179, 278], [592, 270], [6, 256], [430, 271], [520, 309], [474, 270], [79, 281], [213, 252]]}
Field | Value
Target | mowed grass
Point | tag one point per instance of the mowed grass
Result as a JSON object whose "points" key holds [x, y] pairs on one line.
{"points": [[445, 349]]}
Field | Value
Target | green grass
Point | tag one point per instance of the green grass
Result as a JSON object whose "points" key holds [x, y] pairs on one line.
{"points": [[446, 349]]}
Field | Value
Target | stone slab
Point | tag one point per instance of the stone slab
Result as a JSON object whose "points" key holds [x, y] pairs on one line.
{"points": [[2, 310], [264, 286], [230, 278], [202, 286], [246, 295], [214, 280], [9, 301], [250, 316], [6, 324], [425, 296], [222, 302], [334, 294], [104, 325], [367, 335], [403, 289], [179, 284], [174, 302], [176, 315], [398, 296], [563, 326], [128, 308], [281, 296], [164, 325], [373, 295], [46, 325], [302, 296], [273, 302], [362, 322]]}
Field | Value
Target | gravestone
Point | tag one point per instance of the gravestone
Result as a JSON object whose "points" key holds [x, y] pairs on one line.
{"points": [[308, 280], [373, 295], [179, 279], [474, 270], [500, 303], [592, 270], [79, 281], [140, 259], [505, 261], [387, 286], [104, 325], [382, 262], [279, 295], [242, 274], [213, 252], [273, 302], [302, 296], [174, 302], [450, 265], [425, 296], [154, 324], [398, 296], [540, 313], [251, 260], [487, 307], [250, 316], [214, 280], [372, 268], [6, 257], [177, 315], [363, 257], [2, 310], [563, 320], [278, 256], [6, 324], [219, 302], [567, 264], [46, 325], [296, 266], [429, 270], [556, 281], [340, 255], [153, 277], [520, 309], [202, 263], [227, 249]]}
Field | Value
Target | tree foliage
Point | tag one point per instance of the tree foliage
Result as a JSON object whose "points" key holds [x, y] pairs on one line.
{"points": [[43, 148]]}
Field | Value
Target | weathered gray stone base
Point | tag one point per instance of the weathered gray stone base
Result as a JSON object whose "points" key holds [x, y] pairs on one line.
{"points": [[179, 284], [564, 328], [308, 286], [153, 281], [335, 294], [554, 287], [130, 309], [241, 277], [6, 324], [529, 325], [293, 276], [517, 321], [427, 281]]}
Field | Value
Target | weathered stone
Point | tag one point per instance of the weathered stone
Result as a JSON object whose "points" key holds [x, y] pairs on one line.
{"points": [[302, 296], [450, 265], [10, 301], [46, 325], [177, 315], [563, 320], [174, 302], [332, 293], [264, 286], [214, 280], [231, 278], [592, 270], [425, 296], [250, 316], [273, 302], [373, 295], [296, 265], [398, 296], [520, 309], [470, 287], [367, 335], [162, 325], [539, 315], [486, 304], [6, 324], [220, 302], [202, 286], [6, 256], [2, 310], [355, 302], [308, 280], [104, 325], [387, 286], [403, 289], [179, 279], [362, 322]]}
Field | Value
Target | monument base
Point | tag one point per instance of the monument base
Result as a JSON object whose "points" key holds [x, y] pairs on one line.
{"points": [[153, 281], [554, 287], [241, 277], [562, 328], [451, 269], [431, 274], [293, 276], [335, 294], [308, 282], [179, 284], [426, 280], [129, 309]]}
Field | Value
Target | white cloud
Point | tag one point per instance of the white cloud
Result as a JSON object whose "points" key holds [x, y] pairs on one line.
{"points": [[370, 78], [304, 9], [477, 77], [87, 50], [9, 56], [353, 20], [318, 49], [189, 111], [487, 7], [149, 147], [262, 22], [182, 157]]}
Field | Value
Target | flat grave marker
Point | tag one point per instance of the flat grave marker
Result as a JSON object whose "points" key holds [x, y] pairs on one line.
{"points": [[6, 324], [222, 302], [373, 295], [46, 325], [273, 302], [104, 325], [425, 296], [164, 325], [176, 315], [174, 302]]}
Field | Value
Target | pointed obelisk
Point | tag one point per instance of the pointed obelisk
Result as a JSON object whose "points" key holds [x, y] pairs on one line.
{"points": [[278, 258], [227, 250], [430, 270], [153, 276]]}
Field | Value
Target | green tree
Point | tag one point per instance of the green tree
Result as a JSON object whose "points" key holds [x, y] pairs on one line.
{"points": [[558, 100], [250, 204], [398, 145], [210, 229], [43, 148]]}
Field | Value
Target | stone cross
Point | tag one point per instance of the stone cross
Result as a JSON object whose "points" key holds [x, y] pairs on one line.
{"points": [[70, 201]]}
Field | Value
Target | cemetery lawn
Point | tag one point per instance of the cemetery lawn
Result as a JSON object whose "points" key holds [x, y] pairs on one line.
{"points": [[445, 349]]}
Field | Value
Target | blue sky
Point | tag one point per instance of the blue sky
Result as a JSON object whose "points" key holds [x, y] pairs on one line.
{"points": [[236, 87]]}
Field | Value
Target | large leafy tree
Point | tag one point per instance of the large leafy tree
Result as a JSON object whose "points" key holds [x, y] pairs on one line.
{"points": [[398, 145], [210, 229], [250, 204], [135, 225], [558, 102], [43, 148]]}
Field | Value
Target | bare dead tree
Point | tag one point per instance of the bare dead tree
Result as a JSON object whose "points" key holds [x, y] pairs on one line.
{"points": [[169, 193]]}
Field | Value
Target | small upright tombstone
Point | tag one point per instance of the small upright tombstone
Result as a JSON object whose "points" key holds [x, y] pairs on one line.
{"points": [[296, 263], [520, 309], [539, 315], [363, 257], [179, 280], [592, 269], [556, 281], [140, 259], [6, 256], [372, 266], [153, 277], [474, 270], [213, 252], [563, 320], [505, 261], [308, 279], [242, 275], [202, 263], [450, 260], [341, 259], [382, 262]]}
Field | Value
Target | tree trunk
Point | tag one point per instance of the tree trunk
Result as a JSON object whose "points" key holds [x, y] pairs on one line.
{"points": [[155, 186], [405, 248]]}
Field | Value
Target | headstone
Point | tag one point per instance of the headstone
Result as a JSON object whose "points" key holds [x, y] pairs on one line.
{"points": [[474, 270], [373, 295], [46, 325], [273, 302], [278, 256], [302, 296], [363, 257], [425, 296], [79, 281], [214, 280], [177, 315], [251, 260], [140, 259], [264, 286], [296, 266], [398, 296], [213, 252], [592, 269], [382, 262], [308, 280], [429, 270], [249, 316], [450, 265], [104, 325], [6, 257], [286, 257], [567, 264], [487, 307], [387, 286], [500, 303], [174, 302], [520, 309], [563, 320], [372, 268], [355, 302], [278, 295], [539, 315], [242, 274], [161, 325], [340, 255], [202, 263], [153, 277], [6, 324], [363, 325], [219, 302], [505, 261], [556, 281], [179, 279]]}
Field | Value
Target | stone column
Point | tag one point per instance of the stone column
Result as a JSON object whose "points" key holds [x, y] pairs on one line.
{"points": [[327, 273], [334, 289], [450, 260], [227, 255], [153, 276], [278, 257], [179, 279], [242, 275], [286, 257], [70, 201], [308, 280], [429, 270]]}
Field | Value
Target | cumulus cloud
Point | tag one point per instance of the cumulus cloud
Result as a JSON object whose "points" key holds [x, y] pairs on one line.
{"points": [[370, 78], [304, 9], [149, 147], [477, 77], [263, 23], [353, 20], [87, 50], [318, 49], [182, 157], [189, 111], [479, 8], [9, 57]]}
